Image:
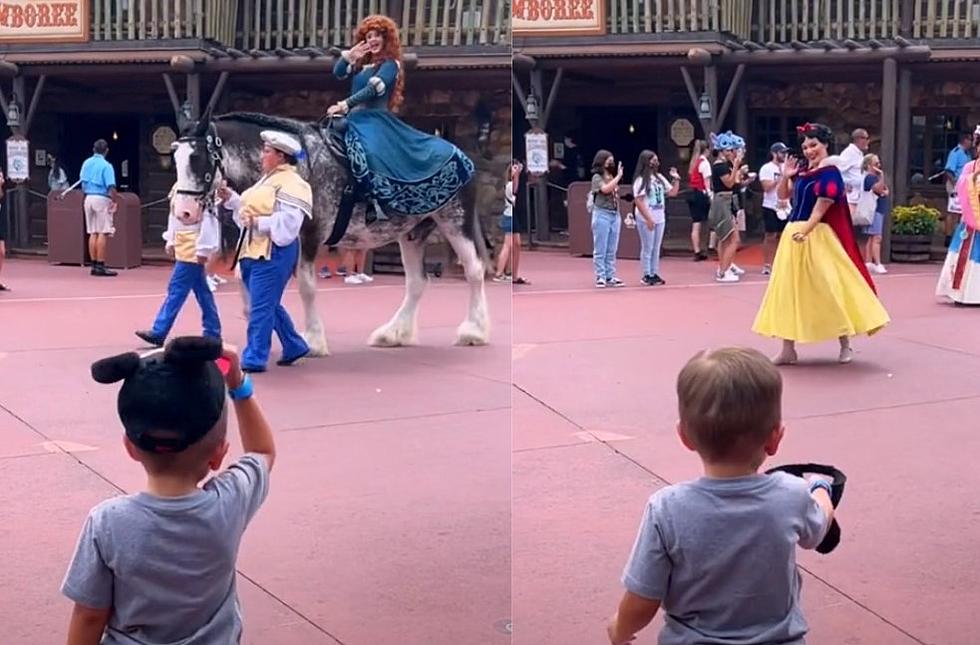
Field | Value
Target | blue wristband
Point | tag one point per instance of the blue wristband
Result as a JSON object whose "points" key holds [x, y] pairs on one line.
{"points": [[820, 483], [243, 391]]}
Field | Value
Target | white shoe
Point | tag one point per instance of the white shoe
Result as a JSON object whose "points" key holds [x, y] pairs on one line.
{"points": [[728, 276], [212, 284], [766, 269], [365, 277], [353, 279], [737, 270], [218, 279], [880, 269]]}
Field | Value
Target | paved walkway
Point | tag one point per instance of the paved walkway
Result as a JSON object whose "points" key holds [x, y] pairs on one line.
{"points": [[388, 519], [594, 436]]}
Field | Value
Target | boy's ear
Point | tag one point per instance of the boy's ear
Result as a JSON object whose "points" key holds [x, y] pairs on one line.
{"points": [[131, 449], [772, 443], [220, 452], [684, 438]]}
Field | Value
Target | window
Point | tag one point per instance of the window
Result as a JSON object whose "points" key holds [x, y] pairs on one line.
{"points": [[933, 136], [767, 130]]}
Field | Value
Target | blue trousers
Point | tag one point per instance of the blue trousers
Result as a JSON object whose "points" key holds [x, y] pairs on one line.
{"points": [[266, 281], [650, 243], [605, 242], [187, 277]]}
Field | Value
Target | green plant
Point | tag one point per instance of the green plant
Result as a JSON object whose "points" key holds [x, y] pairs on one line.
{"points": [[915, 220]]}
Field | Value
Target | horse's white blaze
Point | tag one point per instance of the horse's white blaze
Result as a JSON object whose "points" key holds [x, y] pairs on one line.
{"points": [[182, 162], [402, 329]]}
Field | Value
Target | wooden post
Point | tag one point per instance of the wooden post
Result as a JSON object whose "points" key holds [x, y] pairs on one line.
{"points": [[888, 105], [742, 111], [194, 94], [541, 215], [711, 87], [903, 141], [21, 209]]}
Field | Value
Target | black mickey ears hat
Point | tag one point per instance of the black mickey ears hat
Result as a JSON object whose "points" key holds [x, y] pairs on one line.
{"points": [[832, 539], [171, 398]]}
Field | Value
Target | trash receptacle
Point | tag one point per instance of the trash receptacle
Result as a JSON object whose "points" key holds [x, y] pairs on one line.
{"points": [[66, 228], [124, 250]]}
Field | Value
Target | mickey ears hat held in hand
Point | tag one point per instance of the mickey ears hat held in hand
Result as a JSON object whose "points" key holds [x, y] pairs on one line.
{"points": [[832, 539], [171, 398]]}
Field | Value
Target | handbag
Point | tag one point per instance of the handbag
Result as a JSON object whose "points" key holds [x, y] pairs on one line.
{"points": [[953, 204], [864, 214]]}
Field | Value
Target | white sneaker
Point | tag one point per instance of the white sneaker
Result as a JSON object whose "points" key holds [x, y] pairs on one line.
{"points": [[728, 276], [212, 284], [880, 269], [353, 279], [217, 279], [365, 277], [737, 270], [766, 269]]}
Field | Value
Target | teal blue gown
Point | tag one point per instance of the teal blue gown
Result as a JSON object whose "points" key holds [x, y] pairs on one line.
{"points": [[407, 171]]}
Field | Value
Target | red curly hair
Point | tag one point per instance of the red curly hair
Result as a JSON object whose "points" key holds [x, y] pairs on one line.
{"points": [[392, 51]]}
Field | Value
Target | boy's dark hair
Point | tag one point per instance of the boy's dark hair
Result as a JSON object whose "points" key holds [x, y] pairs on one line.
{"points": [[729, 400], [101, 147]]}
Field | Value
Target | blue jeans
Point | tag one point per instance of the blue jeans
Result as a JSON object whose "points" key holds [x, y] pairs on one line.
{"points": [[650, 242], [187, 277], [266, 281], [605, 242]]}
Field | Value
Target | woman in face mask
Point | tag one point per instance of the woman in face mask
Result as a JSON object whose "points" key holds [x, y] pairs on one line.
{"points": [[650, 192], [606, 223]]}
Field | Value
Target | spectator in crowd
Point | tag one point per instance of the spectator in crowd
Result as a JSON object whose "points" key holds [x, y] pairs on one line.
{"points": [[99, 185], [769, 175]]}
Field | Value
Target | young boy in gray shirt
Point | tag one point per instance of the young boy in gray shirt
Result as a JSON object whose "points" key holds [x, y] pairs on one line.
{"points": [[158, 567], [719, 553]]}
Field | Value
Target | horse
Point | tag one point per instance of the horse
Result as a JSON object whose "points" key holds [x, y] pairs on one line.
{"points": [[228, 147]]}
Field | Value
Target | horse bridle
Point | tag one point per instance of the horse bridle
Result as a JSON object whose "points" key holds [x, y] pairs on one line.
{"points": [[213, 142]]}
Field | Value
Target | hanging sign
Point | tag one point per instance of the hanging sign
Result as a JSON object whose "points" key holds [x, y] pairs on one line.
{"points": [[18, 159], [558, 17], [536, 144], [38, 21]]}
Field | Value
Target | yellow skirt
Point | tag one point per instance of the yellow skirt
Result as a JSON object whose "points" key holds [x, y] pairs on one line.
{"points": [[816, 293]]}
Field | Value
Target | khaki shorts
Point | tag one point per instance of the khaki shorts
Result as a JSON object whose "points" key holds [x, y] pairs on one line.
{"points": [[98, 218]]}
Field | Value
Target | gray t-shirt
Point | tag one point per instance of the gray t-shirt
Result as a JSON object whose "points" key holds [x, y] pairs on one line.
{"points": [[720, 555], [605, 201], [166, 566]]}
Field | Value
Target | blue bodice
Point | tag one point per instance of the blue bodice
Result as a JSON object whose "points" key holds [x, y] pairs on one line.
{"points": [[808, 186]]}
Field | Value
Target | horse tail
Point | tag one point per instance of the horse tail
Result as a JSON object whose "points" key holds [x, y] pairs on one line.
{"points": [[471, 222]]}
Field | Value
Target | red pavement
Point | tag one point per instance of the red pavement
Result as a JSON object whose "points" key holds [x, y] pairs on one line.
{"points": [[388, 519], [593, 437]]}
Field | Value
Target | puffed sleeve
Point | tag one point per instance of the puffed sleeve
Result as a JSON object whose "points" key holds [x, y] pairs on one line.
{"points": [[830, 185], [380, 84]]}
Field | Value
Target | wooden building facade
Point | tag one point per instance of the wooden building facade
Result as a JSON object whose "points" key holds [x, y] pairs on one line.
{"points": [[657, 73], [139, 60]]}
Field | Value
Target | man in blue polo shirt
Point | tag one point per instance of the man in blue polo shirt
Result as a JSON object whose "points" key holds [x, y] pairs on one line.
{"points": [[99, 185]]}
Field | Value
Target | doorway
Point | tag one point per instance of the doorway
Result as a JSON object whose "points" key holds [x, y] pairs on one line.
{"points": [[624, 131], [121, 131]]}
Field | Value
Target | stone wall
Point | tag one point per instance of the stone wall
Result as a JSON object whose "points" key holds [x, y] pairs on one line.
{"points": [[457, 107]]}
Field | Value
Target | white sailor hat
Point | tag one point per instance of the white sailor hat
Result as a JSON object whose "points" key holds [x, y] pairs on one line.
{"points": [[282, 142]]}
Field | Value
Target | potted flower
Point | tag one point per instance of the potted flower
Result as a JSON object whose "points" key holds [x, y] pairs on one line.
{"points": [[912, 231]]}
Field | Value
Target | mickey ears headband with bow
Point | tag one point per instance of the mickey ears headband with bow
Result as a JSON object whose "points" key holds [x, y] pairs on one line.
{"points": [[803, 129]]}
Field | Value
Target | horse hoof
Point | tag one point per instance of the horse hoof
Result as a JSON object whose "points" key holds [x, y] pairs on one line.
{"points": [[471, 335], [317, 343], [392, 336]]}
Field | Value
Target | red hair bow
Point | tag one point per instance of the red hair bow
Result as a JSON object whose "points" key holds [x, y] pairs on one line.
{"points": [[803, 129]]}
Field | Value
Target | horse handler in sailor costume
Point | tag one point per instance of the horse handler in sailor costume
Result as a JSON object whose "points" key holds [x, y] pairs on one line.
{"points": [[270, 214], [193, 235]]}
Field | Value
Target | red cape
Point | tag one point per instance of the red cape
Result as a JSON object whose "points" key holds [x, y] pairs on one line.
{"points": [[838, 218]]}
